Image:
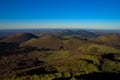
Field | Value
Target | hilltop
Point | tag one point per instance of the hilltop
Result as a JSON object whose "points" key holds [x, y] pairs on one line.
{"points": [[108, 39], [19, 38], [63, 33]]}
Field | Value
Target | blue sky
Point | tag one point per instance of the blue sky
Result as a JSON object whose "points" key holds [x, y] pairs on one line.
{"points": [[96, 14]]}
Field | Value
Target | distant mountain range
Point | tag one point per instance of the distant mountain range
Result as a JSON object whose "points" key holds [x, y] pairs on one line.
{"points": [[22, 37], [110, 38], [63, 33], [39, 32]]}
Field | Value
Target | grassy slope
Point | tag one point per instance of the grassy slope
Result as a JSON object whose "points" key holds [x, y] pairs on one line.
{"points": [[109, 39], [19, 38], [95, 48]]}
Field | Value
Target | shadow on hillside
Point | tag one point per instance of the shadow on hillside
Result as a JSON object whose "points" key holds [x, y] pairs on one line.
{"points": [[7, 48], [13, 48], [110, 56], [39, 71], [62, 78], [95, 76], [100, 76]]}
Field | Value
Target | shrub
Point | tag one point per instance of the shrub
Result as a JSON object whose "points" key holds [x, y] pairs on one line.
{"points": [[67, 74]]}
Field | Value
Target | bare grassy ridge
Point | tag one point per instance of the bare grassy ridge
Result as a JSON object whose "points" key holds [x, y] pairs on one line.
{"points": [[108, 39], [19, 38]]}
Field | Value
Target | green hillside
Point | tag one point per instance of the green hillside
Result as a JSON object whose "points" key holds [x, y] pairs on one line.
{"points": [[108, 39], [19, 38], [56, 58]]}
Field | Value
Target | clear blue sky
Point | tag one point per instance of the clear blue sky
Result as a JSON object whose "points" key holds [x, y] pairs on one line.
{"points": [[103, 14]]}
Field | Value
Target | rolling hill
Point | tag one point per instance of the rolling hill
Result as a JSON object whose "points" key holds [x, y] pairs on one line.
{"points": [[19, 38], [79, 33], [46, 42], [108, 39], [64, 55], [72, 44]]}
